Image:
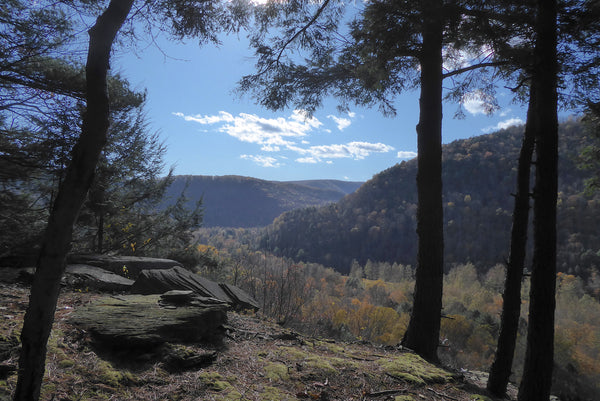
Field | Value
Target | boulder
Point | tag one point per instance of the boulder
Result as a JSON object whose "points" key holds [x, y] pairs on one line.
{"points": [[12, 275], [241, 299], [132, 321], [127, 266], [178, 278], [177, 298], [95, 278]]}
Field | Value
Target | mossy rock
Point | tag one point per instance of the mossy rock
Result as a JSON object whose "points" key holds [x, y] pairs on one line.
{"points": [[414, 369], [139, 321]]}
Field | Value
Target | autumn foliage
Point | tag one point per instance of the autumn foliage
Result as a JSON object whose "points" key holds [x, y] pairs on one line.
{"points": [[373, 303]]}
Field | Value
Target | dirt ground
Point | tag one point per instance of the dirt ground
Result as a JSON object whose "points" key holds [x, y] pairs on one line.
{"points": [[256, 360]]}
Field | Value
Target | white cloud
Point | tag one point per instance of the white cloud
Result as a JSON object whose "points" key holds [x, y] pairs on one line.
{"points": [[405, 154], [198, 118], [270, 148], [479, 102], [308, 160], [264, 161], [504, 125], [353, 150], [286, 134], [474, 106], [271, 133], [340, 121]]}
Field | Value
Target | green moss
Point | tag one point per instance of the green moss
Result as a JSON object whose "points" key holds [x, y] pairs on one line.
{"points": [[66, 363], [331, 347], [4, 391], [232, 395], [293, 354], [404, 398], [48, 391], [276, 371], [214, 381], [479, 397], [328, 365], [414, 369], [274, 394], [321, 364], [107, 374]]}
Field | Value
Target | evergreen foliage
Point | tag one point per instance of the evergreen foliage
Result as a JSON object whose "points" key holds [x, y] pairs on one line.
{"points": [[40, 112]]}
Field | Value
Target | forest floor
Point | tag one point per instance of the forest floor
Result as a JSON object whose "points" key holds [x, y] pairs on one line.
{"points": [[257, 360]]}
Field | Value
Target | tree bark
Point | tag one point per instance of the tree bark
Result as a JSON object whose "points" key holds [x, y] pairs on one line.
{"points": [[71, 195], [422, 334], [539, 357], [511, 311]]}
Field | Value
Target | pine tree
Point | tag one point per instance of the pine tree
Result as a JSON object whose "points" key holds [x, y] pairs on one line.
{"points": [[391, 47], [539, 362], [188, 18]]}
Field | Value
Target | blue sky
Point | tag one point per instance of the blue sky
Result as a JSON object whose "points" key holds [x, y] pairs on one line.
{"points": [[210, 131]]}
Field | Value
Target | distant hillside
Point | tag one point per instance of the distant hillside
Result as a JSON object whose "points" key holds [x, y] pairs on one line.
{"points": [[377, 222], [235, 201]]}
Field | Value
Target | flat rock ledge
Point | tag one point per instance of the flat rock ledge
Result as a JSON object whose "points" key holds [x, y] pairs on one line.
{"points": [[128, 266], [95, 278], [178, 278], [132, 321]]}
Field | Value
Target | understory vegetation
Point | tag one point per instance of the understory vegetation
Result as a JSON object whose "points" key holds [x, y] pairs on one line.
{"points": [[373, 303]]}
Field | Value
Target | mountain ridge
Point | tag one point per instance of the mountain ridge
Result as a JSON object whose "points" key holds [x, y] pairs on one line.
{"points": [[378, 221], [238, 201]]}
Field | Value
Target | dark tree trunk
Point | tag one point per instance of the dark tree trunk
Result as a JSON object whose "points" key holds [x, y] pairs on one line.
{"points": [[539, 357], [51, 262], [422, 334], [511, 311]]}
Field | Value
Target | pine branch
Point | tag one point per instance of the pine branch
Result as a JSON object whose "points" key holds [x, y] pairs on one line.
{"points": [[295, 36], [474, 67]]}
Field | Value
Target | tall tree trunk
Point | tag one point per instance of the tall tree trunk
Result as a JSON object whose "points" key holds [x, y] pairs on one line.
{"points": [[511, 311], [539, 357], [57, 238], [422, 334]]}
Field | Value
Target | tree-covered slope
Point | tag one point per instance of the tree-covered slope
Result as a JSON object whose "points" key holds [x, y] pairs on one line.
{"points": [[235, 201], [377, 222]]}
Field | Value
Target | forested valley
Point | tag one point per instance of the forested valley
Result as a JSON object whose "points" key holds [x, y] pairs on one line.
{"points": [[418, 258], [377, 222], [338, 281]]}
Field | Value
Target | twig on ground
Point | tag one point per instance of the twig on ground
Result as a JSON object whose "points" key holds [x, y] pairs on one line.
{"points": [[386, 393], [442, 394]]}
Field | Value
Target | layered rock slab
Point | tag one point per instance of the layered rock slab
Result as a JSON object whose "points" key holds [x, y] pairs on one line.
{"points": [[147, 320]]}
